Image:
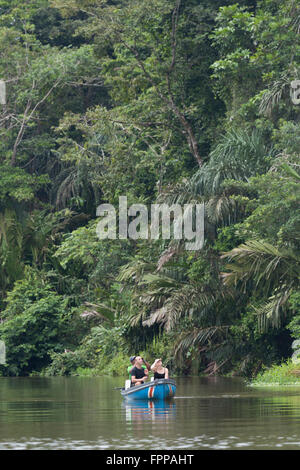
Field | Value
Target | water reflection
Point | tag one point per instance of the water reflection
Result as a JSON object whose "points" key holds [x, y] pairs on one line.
{"points": [[145, 410], [89, 413]]}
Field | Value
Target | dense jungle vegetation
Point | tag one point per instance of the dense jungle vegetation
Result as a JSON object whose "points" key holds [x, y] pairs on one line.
{"points": [[162, 101]]}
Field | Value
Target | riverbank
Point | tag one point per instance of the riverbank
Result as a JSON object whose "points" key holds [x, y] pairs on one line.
{"points": [[285, 374]]}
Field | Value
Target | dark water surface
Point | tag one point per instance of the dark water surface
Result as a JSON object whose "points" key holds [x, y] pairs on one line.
{"points": [[87, 413]]}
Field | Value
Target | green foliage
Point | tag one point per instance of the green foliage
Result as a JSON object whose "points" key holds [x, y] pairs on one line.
{"points": [[286, 373], [36, 322], [18, 186], [100, 350], [32, 326], [115, 366], [228, 237], [294, 325], [66, 363], [268, 261], [161, 101], [237, 156]]}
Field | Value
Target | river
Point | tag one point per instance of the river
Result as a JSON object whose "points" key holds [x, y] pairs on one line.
{"points": [[87, 413]]}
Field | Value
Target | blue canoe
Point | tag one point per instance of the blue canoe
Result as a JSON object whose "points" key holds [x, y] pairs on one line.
{"points": [[159, 389]]}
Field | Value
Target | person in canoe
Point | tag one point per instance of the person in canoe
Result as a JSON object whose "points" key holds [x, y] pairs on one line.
{"points": [[145, 365], [160, 372], [139, 373]]}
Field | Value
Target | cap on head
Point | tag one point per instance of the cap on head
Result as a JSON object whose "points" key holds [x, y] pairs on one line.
{"points": [[132, 358]]}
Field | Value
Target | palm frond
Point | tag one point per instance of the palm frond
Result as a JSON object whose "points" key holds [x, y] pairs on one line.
{"points": [[167, 255], [238, 156], [201, 337], [291, 171], [135, 270], [271, 311], [221, 209], [261, 262], [183, 300], [274, 93], [272, 270], [100, 311]]}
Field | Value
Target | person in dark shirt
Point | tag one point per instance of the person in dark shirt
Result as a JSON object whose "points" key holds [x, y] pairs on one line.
{"points": [[145, 365], [138, 373]]}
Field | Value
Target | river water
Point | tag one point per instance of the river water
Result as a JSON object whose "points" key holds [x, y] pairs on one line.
{"points": [[84, 413]]}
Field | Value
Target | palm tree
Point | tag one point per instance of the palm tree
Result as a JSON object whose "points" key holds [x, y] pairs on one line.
{"points": [[238, 156], [271, 269], [165, 296], [273, 272]]}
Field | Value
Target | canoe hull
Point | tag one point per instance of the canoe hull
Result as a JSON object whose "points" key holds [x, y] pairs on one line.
{"points": [[160, 389]]}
